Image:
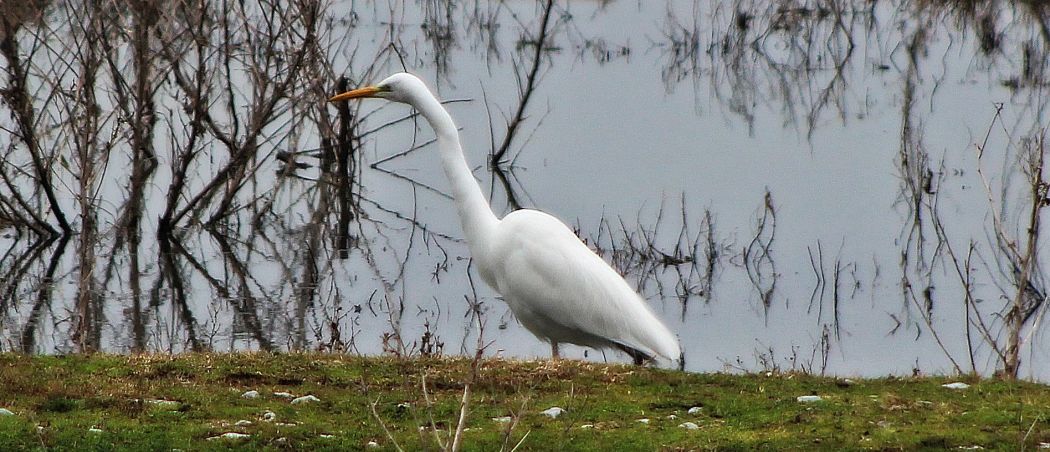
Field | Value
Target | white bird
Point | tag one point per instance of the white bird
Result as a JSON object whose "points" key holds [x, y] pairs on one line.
{"points": [[557, 288]]}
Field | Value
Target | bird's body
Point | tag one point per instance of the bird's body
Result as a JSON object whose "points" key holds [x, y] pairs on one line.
{"points": [[563, 292], [559, 289]]}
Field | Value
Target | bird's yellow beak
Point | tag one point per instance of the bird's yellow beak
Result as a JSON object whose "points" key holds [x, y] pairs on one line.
{"points": [[368, 91]]}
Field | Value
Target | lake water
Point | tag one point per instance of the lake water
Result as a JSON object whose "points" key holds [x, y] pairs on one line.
{"points": [[791, 187]]}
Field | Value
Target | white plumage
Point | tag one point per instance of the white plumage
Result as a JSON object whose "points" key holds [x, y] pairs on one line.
{"points": [[557, 288]]}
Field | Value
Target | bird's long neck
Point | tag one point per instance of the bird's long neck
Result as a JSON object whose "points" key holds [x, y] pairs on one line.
{"points": [[474, 212]]}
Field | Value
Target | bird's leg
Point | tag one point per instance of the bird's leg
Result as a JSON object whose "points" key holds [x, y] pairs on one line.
{"points": [[554, 351]]}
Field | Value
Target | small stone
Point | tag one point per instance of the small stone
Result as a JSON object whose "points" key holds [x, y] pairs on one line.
{"points": [[1044, 445], [94, 430], [404, 405], [809, 398], [553, 412], [230, 436], [243, 423], [6, 412], [269, 416], [689, 426], [250, 394], [372, 444], [671, 417], [643, 420], [694, 410], [587, 426], [166, 404], [305, 399], [502, 419], [284, 395], [974, 447], [956, 385], [325, 436]]}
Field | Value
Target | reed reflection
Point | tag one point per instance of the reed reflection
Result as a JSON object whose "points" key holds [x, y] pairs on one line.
{"points": [[171, 179]]}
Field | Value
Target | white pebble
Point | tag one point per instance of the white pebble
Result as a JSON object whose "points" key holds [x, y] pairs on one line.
{"points": [[671, 417], [956, 385], [243, 423], [95, 430], [689, 426], [304, 399], [6, 412], [169, 404], [325, 436], [643, 420], [586, 426], [372, 444], [502, 419], [230, 435], [553, 412], [269, 416], [284, 395], [809, 398], [694, 410], [250, 394]]}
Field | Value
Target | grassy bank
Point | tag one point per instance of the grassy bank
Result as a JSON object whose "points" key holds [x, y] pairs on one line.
{"points": [[158, 402]]}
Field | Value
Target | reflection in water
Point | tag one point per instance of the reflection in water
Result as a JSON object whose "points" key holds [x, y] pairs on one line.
{"points": [[917, 192], [172, 180], [796, 57], [42, 300], [174, 278], [679, 265], [528, 79], [758, 254]]}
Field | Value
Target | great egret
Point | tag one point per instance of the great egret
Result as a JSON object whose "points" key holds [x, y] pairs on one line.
{"points": [[557, 287]]}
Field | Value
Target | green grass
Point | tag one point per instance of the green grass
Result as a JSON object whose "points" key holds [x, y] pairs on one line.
{"points": [[56, 400]]}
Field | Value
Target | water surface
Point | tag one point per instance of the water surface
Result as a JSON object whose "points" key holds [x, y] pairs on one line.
{"points": [[791, 187]]}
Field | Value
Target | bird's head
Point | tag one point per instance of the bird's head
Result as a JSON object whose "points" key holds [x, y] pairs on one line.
{"points": [[401, 87]]}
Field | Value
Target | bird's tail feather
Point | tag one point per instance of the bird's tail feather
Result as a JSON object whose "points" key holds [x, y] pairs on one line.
{"points": [[660, 341]]}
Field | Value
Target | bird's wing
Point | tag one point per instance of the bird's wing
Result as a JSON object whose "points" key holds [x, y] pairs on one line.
{"points": [[546, 272]]}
